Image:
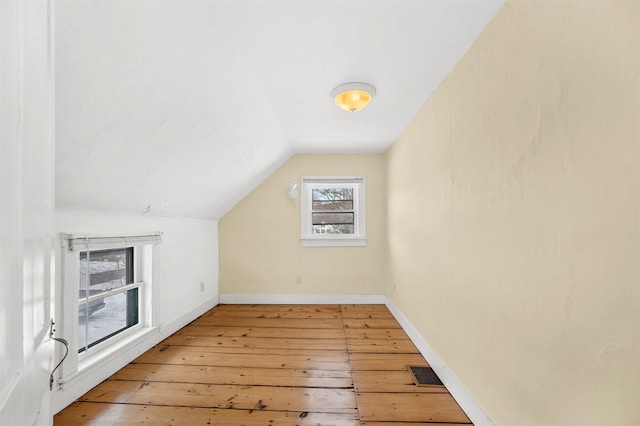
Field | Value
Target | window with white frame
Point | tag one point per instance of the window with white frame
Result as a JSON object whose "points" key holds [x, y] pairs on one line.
{"points": [[109, 301], [106, 290], [333, 211]]}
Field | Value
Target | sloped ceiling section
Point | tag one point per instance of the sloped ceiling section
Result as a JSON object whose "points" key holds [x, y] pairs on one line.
{"points": [[181, 108]]}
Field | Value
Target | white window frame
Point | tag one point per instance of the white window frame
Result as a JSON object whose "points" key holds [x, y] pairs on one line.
{"points": [[359, 237], [145, 267], [138, 283]]}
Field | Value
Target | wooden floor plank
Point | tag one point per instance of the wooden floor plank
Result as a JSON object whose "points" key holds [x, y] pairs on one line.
{"points": [[280, 332], [99, 414], [256, 342], [274, 314], [419, 407], [348, 309], [246, 376], [370, 323], [275, 308], [376, 333], [221, 396], [271, 322], [386, 346], [187, 355], [366, 311], [381, 362], [369, 315], [220, 350], [396, 381]]}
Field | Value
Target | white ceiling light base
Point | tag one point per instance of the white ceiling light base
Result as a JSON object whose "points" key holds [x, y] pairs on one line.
{"points": [[352, 97]]}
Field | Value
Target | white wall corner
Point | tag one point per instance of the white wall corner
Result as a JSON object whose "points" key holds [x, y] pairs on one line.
{"points": [[462, 396], [255, 299]]}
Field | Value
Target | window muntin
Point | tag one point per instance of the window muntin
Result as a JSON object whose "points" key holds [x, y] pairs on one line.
{"points": [[110, 304], [333, 211]]}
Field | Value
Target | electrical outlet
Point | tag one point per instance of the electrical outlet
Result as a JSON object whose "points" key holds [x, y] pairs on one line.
{"points": [[298, 280], [201, 285]]}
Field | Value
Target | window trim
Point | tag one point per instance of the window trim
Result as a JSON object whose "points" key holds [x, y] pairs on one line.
{"points": [[307, 237], [133, 283], [145, 270]]}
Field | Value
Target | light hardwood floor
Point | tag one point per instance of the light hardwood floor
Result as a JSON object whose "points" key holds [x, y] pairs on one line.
{"points": [[273, 365]]}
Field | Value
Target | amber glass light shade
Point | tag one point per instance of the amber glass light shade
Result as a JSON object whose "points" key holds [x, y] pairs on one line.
{"points": [[352, 97]]}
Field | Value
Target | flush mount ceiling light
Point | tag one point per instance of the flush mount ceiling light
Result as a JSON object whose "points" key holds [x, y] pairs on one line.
{"points": [[352, 97]]}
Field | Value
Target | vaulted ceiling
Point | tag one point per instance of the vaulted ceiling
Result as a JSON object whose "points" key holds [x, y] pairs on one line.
{"points": [[182, 107]]}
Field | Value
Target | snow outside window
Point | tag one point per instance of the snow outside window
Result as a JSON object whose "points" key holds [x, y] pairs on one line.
{"points": [[333, 211], [109, 304]]}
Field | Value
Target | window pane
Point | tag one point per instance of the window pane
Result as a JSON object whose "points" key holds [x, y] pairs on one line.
{"points": [[104, 323], [332, 223], [333, 229], [332, 205], [332, 199], [331, 218], [108, 269], [101, 318]]}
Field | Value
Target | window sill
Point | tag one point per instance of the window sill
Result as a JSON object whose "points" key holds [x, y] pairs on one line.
{"points": [[333, 242], [96, 360]]}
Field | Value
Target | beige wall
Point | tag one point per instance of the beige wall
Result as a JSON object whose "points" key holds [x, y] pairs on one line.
{"points": [[513, 215], [260, 249]]}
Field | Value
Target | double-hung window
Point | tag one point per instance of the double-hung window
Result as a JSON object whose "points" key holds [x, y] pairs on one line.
{"points": [[106, 298], [108, 302], [333, 211]]}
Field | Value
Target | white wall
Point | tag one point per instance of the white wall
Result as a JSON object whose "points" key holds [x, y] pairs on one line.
{"points": [[26, 211], [188, 255]]}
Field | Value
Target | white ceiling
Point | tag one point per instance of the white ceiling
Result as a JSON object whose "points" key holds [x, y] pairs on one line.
{"points": [[187, 105]]}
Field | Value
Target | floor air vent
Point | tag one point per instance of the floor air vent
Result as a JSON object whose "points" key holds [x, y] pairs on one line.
{"points": [[424, 376]]}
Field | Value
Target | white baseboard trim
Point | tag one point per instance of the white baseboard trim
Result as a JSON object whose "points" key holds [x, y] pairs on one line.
{"points": [[168, 329], [256, 299], [468, 404], [80, 383]]}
